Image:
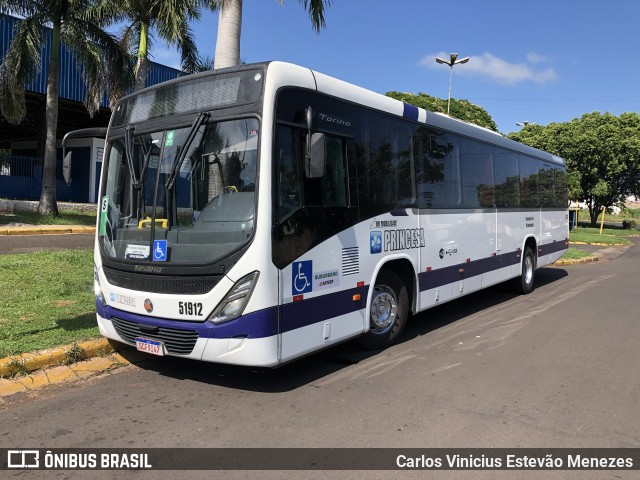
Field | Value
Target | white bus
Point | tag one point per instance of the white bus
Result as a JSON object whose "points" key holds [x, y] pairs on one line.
{"points": [[256, 214]]}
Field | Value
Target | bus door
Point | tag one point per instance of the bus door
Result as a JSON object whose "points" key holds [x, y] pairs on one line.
{"points": [[313, 218]]}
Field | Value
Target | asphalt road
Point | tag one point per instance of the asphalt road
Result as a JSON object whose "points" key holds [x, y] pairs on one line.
{"points": [[38, 243], [557, 368]]}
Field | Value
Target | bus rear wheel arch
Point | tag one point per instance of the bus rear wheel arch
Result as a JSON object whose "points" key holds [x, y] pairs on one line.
{"points": [[388, 311]]}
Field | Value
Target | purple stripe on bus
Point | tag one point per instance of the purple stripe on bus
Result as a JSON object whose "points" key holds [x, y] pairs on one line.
{"points": [[294, 315], [410, 112], [260, 324], [399, 212]]}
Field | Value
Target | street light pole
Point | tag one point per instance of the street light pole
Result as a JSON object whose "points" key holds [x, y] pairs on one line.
{"points": [[453, 61]]}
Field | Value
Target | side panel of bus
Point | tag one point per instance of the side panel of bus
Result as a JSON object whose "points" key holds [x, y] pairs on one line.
{"points": [[323, 299], [460, 251]]}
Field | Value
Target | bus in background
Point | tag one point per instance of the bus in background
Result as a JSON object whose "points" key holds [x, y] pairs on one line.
{"points": [[256, 214]]}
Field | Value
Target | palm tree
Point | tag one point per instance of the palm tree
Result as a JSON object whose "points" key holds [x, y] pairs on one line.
{"points": [[230, 23], [205, 63], [102, 61], [169, 19]]}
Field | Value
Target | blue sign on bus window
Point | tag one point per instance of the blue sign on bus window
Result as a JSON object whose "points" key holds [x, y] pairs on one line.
{"points": [[301, 277], [159, 250]]}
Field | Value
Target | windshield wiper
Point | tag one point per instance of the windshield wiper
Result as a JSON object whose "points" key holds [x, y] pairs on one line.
{"points": [[128, 147], [146, 156], [182, 153]]}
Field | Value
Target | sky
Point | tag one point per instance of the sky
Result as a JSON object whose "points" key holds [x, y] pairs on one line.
{"points": [[539, 61]]}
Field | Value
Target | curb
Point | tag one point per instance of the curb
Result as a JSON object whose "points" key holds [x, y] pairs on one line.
{"points": [[576, 261], [29, 362], [32, 371], [63, 229], [601, 244], [60, 374]]}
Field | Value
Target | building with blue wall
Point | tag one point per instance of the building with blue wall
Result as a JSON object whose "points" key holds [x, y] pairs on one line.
{"points": [[22, 146]]}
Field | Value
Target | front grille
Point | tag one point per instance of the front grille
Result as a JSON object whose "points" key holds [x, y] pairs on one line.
{"points": [[161, 284], [176, 341]]}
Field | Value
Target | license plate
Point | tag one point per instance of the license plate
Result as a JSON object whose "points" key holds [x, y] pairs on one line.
{"points": [[154, 347]]}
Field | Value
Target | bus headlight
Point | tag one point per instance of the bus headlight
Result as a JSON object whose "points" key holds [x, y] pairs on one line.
{"points": [[97, 289], [232, 305]]}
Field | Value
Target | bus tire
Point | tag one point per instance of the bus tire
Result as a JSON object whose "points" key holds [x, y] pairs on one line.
{"points": [[388, 311], [525, 284]]}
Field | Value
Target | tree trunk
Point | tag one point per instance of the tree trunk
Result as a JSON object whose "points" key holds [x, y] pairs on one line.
{"points": [[48, 204], [594, 211], [228, 42], [142, 67]]}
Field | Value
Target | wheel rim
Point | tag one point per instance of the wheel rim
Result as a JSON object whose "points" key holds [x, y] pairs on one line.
{"points": [[528, 269], [384, 309]]}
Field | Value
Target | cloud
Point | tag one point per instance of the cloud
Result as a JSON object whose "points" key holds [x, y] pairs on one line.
{"points": [[494, 68], [537, 58]]}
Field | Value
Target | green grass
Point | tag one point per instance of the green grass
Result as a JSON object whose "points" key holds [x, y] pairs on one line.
{"points": [[625, 214], [609, 230], [592, 235], [46, 300], [34, 218], [575, 254]]}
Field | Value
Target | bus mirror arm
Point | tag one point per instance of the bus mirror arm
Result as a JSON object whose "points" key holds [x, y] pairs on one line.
{"points": [[66, 168], [314, 167], [98, 132], [309, 118]]}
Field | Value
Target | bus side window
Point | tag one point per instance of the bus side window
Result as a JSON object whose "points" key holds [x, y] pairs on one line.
{"points": [[476, 168], [529, 197], [560, 187], [547, 184], [507, 178], [334, 182], [438, 170], [288, 151]]}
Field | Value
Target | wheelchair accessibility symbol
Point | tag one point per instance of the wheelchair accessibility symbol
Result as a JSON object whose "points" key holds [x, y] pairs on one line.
{"points": [[159, 250], [301, 275]]}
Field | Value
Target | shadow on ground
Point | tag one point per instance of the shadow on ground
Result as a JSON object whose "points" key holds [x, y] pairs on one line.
{"points": [[306, 371]]}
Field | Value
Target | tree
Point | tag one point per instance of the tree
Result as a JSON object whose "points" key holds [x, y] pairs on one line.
{"points": [[205, 63], [227, 52], [602, 152], [169, 19], [103, 64], [460, 109]]}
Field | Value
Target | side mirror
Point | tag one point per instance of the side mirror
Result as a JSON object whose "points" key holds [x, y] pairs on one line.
{"points": [[66, 168], [97, 132], [314, 166]]}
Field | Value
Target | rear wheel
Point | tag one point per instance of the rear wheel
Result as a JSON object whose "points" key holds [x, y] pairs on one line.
{"points": [[527, 277], [388, 311]]}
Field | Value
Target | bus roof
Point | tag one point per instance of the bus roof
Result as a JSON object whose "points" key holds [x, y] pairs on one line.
{"points": [[368, 98], [288, 72]]}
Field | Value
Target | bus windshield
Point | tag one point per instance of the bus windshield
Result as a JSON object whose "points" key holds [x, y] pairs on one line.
{"points": [[184, 195]]}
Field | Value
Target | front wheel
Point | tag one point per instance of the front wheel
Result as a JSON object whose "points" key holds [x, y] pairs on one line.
{"points": [[388, 311], [527, 277]]}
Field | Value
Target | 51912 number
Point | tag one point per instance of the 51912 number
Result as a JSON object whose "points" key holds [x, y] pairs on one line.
{"points": [[190, 308]]}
